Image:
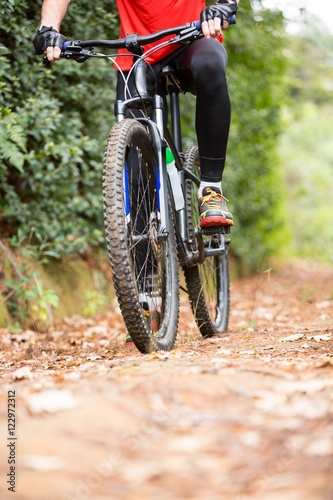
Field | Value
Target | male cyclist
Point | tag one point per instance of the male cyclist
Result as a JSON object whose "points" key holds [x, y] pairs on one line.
{"points": [[201, 68]]}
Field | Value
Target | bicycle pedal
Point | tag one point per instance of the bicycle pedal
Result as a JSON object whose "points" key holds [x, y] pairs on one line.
{"points": [[210, 231]]}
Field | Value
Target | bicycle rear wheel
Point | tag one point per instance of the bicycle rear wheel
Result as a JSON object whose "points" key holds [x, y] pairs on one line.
{"points": [[143, 264], [208, 284]]}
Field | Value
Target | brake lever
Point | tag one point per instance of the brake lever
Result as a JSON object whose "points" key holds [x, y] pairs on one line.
{"points": [[189, 33], [77, 53]]}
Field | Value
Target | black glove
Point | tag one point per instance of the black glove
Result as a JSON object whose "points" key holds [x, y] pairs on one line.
{"points": [[47, 37], [222, 9]]}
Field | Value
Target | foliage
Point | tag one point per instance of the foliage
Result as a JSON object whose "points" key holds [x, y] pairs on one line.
{"points": [[13, 140], [94, 303], [309, 149], [310, 72], [27, 300], [253, 177], [306, 146], [55, 119], [53, 122]]}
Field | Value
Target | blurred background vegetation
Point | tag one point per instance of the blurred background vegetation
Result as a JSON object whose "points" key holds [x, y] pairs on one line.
{"points": [[54, 121]]}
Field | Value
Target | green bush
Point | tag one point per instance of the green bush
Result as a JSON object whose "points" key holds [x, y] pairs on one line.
{"points": [[54, 121], [254, 178]]}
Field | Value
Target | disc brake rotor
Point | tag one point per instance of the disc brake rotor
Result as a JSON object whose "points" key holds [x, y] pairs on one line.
{"points": [[156, 244]]}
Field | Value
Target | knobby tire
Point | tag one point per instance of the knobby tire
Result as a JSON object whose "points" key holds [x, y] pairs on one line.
{"points": [[208, 284], [140, 262]]}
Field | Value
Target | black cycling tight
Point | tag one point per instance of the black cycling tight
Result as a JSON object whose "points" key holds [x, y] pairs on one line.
{"points": [[201, 68]]}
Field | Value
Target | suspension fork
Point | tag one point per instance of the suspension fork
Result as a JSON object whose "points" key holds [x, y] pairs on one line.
{"points": [[156, 129], [157, 134], [177, 139]]}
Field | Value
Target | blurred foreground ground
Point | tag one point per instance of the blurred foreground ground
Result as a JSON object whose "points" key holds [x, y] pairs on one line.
{"points": [[247, 415]]}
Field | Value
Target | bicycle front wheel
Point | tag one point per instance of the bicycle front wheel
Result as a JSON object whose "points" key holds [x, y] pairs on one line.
{"points": [[143, 260], [208, 283]]}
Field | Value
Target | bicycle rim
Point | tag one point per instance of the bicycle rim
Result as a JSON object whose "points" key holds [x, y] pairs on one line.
{"points": [[208, 284], [144, 267]]}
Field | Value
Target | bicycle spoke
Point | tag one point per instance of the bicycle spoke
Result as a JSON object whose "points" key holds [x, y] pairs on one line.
{"points": [[144, 266]]}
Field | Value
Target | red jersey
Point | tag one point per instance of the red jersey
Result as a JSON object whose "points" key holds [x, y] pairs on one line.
{"points": [[148, 16]]}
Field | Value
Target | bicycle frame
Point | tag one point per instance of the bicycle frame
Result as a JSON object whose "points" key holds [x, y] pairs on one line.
{"points": [[159, 133], [149, 232]]}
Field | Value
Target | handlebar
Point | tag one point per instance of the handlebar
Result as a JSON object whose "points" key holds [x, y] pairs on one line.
{"points": [[182, 33]]}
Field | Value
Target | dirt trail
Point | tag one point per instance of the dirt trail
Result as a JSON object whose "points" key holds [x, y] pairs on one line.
{"points": [[246, 415]]}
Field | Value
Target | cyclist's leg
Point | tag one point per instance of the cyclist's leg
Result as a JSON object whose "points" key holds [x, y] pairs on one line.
{"points": [[202, 67]]}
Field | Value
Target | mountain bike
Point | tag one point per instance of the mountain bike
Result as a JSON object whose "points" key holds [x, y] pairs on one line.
{"points": [[151, 214]]}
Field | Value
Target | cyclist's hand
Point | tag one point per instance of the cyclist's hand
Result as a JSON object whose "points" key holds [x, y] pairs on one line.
{"points": [[217, 16], [48, 42]]}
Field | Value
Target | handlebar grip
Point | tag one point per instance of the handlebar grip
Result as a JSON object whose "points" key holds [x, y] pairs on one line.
{"points": [[64, 46], [198, 23], [232, 19]]}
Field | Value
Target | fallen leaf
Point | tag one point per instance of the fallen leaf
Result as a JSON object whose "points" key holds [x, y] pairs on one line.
{"points": [[326, 363], [226, 352], [51, 401], [321, 447], [319, 338], [219, 360], [22, 373], [292, 338], [43, 463], [324, 304]]}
